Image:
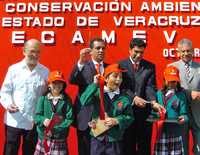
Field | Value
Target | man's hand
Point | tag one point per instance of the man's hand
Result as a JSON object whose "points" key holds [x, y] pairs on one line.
{"points": [[157, 107], [195, 95], [97, 78], [12, 108], [140, 102], [109, 121], [84, 55]]}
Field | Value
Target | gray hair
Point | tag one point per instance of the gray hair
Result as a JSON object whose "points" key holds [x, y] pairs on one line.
{"points": [[184, 41]]}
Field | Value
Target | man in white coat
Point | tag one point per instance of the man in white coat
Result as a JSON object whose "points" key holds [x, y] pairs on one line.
{"points": [[25, 81]]}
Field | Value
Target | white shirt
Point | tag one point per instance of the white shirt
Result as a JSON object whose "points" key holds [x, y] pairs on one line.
{"points": [[111, 94], [101, 68], [170, 91], [23, 88], [133, 62]]}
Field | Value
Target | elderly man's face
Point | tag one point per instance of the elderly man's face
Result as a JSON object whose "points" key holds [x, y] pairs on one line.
{"points": [[32, 52], [136, 53], [186, 52], [98, 51]]}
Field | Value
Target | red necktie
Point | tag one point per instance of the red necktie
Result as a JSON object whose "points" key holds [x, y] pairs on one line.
{"points": [[97, 67], [102, 109], [101, 86], [135, 66]]}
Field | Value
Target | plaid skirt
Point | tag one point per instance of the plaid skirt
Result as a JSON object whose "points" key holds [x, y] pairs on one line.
{"points": [[56, 147], [169, 145]]}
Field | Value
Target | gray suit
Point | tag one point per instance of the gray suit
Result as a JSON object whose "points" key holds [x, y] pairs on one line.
{"points": [[191, 83]]}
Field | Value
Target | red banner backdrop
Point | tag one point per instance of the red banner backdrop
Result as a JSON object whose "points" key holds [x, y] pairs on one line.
{"points": [[64, 27]]}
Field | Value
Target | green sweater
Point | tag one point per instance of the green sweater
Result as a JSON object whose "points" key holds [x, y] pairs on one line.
{"points": [[121, 110], [44, 110], [176, 106]]}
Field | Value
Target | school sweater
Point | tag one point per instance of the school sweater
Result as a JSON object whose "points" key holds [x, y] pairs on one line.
{"points": [[44, 110], [176, 106], [119, 107]]}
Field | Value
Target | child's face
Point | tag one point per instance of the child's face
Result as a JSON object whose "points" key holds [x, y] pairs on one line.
{"points": [[56, 87], [171, 84], [113, 81]]}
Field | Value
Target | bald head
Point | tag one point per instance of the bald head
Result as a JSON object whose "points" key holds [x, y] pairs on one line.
{"points": [[33, 43], [32, 52]]}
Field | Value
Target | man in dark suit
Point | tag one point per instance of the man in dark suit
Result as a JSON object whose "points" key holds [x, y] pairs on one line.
{"points": [[140, 79], [82, 75]]}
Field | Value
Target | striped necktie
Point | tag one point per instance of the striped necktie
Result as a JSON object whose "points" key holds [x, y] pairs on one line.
{"points": [[187, 70]]}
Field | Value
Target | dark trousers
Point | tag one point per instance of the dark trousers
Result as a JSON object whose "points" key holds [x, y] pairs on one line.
{"points": [[13, 137], [83, 142], [137, 139], [196, 136], [105, 148], [185, 137]]}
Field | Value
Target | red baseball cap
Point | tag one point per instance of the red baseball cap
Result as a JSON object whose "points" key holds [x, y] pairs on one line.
{"points": [[171, 73], [113, 68], [56, 76]]}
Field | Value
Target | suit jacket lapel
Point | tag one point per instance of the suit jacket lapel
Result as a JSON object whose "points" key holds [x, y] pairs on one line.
{"points": [[92, 68], [130, 67], [183, 71], [105, 65], [140, 67], [192, 71]]}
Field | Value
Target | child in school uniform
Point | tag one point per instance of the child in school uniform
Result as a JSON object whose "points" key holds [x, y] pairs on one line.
{"points": [[173, 98], [53, 117], [118, 111]]}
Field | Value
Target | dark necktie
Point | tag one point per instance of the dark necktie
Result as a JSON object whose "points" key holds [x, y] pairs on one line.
{"points": [[187, 70], [135, 67]]}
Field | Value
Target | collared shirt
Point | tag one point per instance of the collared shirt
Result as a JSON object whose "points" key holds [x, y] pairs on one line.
{"points": [[54, 99], [170, 91], [101, 68], [111, 94], [23, 88], [190, 62], [133, 62], [80, 66]]}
